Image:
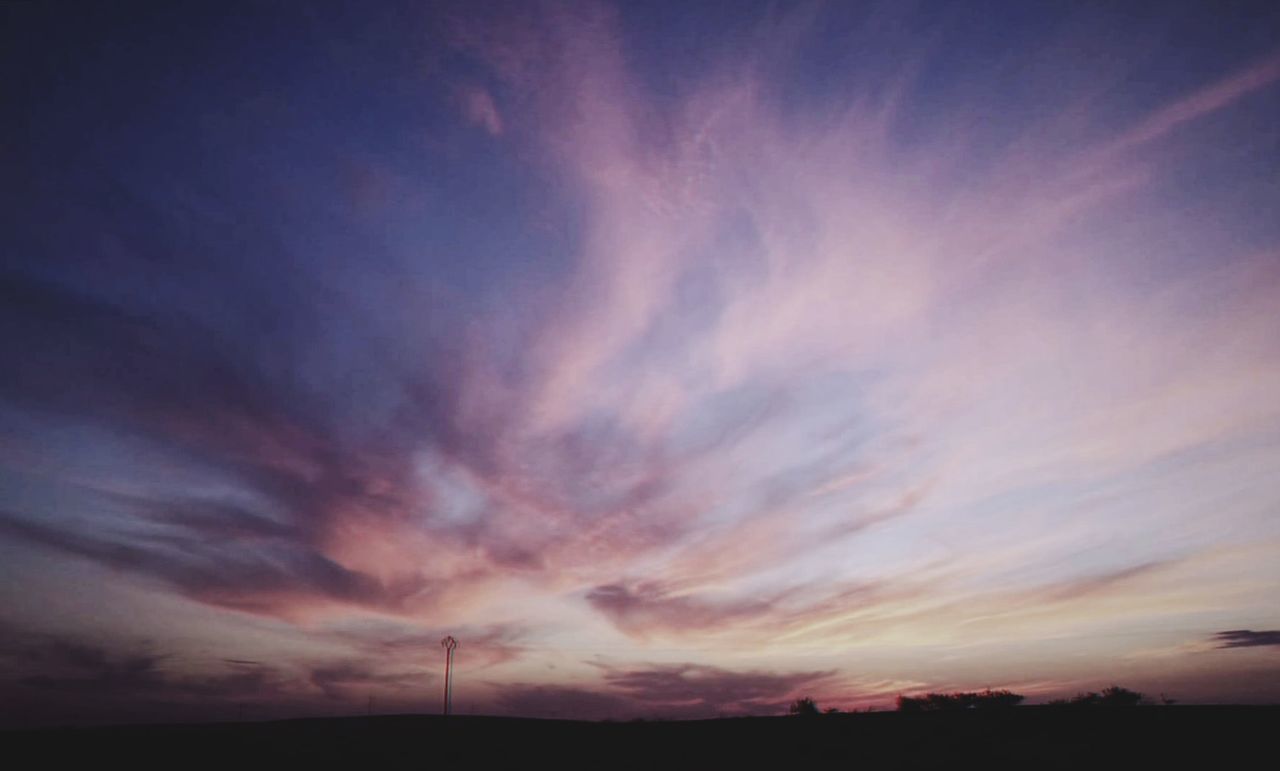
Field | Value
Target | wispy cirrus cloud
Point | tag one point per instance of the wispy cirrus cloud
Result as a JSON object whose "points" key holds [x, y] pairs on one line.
{"points": [[1205, 101], [600, 346]]}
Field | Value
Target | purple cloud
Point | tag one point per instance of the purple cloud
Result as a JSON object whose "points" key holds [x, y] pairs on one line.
{"points": [[1247, 638]]}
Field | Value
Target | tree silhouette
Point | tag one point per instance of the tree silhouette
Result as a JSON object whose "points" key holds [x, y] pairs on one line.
{"points": [[804, 706], [1115, 696]]}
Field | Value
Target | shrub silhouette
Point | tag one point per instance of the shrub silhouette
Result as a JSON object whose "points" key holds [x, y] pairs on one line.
{"points": [[1115, 696], [938, 702], [804, 706]]}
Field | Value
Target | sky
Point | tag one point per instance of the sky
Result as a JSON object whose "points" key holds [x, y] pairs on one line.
{"points": [[679, 359]]}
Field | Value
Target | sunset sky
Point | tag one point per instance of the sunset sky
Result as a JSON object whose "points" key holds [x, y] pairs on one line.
{"points": [[679, 359]]}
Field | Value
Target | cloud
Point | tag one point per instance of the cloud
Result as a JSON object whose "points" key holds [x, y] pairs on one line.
{"points": [[720, 349], [345, 680], [54, 679], [482, 646], [647, 608], [713, 689], [1207, 100], [757, 300], [210, 412], [268, 580], [684, 691], [1087, 586], [61, 678], [1246, 638], [479, 109]]}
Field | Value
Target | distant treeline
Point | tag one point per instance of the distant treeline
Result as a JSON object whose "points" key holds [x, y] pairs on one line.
{"points": [[937, 702], [1115, 696]]}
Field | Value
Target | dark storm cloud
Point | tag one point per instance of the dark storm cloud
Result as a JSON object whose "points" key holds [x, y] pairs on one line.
{"points": [[1247, 638]]}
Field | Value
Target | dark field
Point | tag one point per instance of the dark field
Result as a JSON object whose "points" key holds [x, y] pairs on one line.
{"points": [[1025, 737]]}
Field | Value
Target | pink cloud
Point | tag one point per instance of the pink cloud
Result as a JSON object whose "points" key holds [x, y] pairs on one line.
{"points": [[1205, 101], [799, 384]]}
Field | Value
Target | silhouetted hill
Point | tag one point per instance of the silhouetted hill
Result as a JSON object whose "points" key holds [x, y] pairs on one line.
{"points": [[1024, 737]]}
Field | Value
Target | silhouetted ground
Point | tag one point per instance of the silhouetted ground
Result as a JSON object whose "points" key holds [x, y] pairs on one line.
{"points": [[1024, 737]]}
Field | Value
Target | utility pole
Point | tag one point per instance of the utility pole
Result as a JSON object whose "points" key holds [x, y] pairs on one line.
{"points": [[448, 644]]}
